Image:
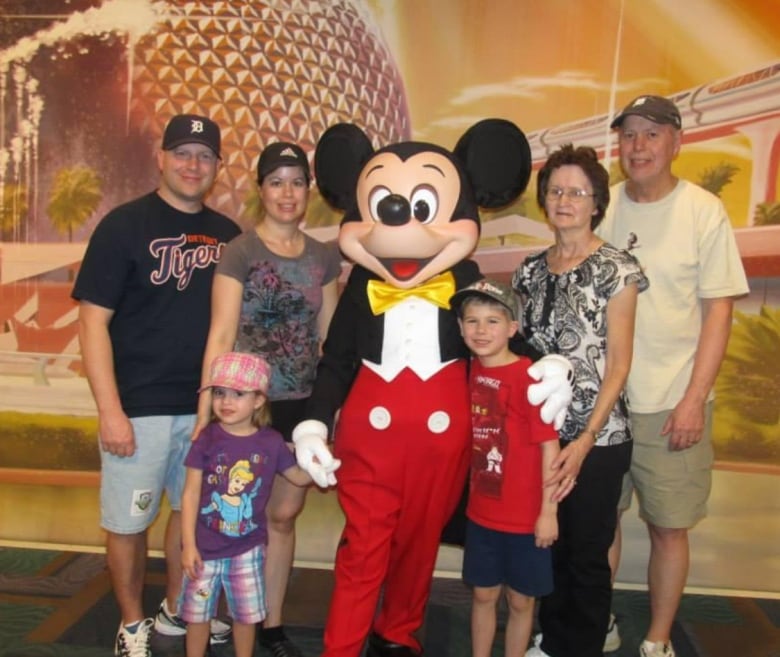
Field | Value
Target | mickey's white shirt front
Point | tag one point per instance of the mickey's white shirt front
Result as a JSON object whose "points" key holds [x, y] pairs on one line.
{"points": [[411, 339]]}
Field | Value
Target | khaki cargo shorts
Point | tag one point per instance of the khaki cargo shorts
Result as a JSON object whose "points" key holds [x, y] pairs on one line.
{"points": [[672, 487]]}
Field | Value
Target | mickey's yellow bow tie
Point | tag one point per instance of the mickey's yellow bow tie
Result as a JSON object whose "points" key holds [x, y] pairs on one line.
{"points": [[383, 296]]}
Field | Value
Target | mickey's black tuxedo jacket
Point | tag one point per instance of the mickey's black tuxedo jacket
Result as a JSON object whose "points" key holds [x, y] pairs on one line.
{"points": [[356, 333]]}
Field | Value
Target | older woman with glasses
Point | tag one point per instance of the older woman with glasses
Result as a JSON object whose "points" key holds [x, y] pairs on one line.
{"points": [[579, 298]]}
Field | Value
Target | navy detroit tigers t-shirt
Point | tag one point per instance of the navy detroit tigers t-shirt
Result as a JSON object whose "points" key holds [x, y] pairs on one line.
{"points": [[153, 265]]}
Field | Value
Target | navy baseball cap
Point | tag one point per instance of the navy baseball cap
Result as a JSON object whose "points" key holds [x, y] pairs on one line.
{"points": [[191, 129]]}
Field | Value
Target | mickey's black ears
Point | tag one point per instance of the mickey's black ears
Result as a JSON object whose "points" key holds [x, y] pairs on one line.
{"points": [[341, 152], [497, 159], [494, 153]]}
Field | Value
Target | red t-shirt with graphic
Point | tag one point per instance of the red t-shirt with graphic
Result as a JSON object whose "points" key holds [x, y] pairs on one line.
{"points": [[506, 465]]}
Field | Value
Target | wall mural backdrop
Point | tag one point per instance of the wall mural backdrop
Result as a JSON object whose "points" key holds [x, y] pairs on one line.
{"points": [[87, 86]]}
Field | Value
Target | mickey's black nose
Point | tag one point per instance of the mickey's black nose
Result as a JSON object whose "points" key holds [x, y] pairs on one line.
{"points": [[393, 210]]}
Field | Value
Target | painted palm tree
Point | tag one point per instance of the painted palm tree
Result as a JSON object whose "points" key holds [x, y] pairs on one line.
{"points": [[253, 205], [748, 387], [319, 214], [714, 179], [767, 214], [616, 174], [74, 198], [13, 209]]}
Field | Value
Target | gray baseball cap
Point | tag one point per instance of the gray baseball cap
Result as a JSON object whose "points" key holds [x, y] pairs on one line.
{"points": [[490, 289], [654, 108]]}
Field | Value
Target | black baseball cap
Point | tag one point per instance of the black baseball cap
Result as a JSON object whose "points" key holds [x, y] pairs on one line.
{"points": [[654, 108], [191, 129], [282, 154]]}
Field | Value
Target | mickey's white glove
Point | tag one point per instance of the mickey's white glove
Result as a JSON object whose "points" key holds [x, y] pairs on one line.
{"points": [[311, 450], [554, 388]]}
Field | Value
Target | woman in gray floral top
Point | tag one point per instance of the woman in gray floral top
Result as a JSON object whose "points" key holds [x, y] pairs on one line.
{"points": [[274, 293]]}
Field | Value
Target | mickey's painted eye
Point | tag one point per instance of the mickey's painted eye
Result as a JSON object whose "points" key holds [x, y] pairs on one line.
{"points": [[425, 204], [377, 195]]}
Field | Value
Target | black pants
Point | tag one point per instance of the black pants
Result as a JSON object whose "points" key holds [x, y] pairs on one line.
{"points": [[574, 617], [286, 414]]}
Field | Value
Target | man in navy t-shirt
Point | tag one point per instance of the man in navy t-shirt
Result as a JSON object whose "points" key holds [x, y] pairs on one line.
{"points": [[144, 290]]}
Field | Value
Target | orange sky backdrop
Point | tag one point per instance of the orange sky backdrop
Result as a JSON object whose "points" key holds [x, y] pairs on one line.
{"points": [[546, 63], [542, 64]]}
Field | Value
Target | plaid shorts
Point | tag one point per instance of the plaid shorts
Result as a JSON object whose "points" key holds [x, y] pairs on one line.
{"points": [[241, 577]]}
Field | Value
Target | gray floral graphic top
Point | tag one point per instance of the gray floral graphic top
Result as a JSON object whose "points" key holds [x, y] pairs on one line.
{"points": [[281, 301], [567, 314]]}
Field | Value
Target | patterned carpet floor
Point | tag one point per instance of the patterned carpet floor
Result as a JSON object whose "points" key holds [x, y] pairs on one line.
{"points": [[59, 604]]}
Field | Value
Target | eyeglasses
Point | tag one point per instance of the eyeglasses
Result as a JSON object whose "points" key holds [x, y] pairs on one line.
{"points": [[202, 157], [573, 194]]}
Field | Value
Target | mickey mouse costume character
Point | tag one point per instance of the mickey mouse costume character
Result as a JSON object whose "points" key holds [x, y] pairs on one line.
{"points": [[395, 364]]}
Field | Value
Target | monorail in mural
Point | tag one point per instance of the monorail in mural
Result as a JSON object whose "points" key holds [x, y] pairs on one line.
{"points": [[715, 109]]}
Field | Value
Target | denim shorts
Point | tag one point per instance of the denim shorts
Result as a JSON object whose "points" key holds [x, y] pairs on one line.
{"points": [[241, 577], [492, 558], [131, 487]]}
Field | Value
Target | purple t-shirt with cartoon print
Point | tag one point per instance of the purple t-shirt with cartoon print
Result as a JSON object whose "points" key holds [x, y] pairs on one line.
{"points": [[238, 472]]}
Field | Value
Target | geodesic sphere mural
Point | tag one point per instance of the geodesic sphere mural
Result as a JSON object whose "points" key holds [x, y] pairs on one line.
{"points": [[276, 70]]}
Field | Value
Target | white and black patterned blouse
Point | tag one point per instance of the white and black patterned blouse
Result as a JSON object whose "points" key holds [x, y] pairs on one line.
{"points": [[567, 314]]}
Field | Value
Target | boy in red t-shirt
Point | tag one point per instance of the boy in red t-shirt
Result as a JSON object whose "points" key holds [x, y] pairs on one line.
{"points": [[511, 524]]}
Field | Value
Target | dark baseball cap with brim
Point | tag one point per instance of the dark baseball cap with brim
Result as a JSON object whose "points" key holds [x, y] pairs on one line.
{"points": [[653, 108], [282, 154], [191, 129], [488, 289]]}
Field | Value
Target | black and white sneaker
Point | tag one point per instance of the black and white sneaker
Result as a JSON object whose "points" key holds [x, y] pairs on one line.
{"points": [[279, 645], [219, 632], [169, 624], [133, 641]]}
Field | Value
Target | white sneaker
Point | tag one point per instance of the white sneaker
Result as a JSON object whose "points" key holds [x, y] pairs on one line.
{"points": [[612, 640], [611, 643], [167, 623], [656, 649], [135, 642], [219, 632], [536, 649], [170, 624]]}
